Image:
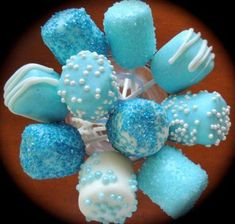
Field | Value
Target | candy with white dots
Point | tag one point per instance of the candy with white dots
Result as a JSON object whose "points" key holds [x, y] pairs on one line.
{"points": [[85, 86], [137, 127], [70, 31], [201, 118], [172, 181], [184, 61], [107, 186], [31, 92], [130, 33]]}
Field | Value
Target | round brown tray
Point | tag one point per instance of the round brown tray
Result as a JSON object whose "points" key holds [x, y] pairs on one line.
{"points": [[59, 196]]}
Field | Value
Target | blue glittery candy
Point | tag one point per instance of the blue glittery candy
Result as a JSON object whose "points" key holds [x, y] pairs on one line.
{"points": [[201, 118], [51, 150], [137, 127], [88, 85], [32, 92], [70, 31], [184, 61], [172, 181], [130, 33]]}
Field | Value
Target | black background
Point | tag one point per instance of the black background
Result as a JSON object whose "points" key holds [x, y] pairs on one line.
{"points": [[217, 15]]}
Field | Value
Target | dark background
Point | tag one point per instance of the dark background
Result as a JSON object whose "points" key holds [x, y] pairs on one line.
{"points": [[217, 15]]}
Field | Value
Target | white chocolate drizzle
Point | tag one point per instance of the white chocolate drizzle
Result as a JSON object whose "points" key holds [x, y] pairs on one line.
{"points": [[204, 54]]}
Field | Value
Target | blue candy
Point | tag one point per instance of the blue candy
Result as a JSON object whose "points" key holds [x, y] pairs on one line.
{"points": [[137, 127], [172, 181], [71, 31], [184, 61], [201, 118], [88, 85], [130, 33], [32, 92], [51, 150]]}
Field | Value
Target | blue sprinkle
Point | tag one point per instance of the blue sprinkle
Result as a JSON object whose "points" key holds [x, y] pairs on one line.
{"points": [[50, 146]]}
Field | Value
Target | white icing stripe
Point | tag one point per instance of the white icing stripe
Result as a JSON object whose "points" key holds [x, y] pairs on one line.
{"points": [[210, 59], [182, 48], [202, 55], [197, 60], [20, 73], [8, 95], [26, 85]]}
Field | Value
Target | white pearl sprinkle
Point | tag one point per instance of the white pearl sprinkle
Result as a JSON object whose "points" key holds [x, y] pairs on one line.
{"points": [[101, 69], [98, 90], [64, 67], [196, 122], [95, 55], [59, 92], [89, 67], [70, 65], [67, 76], [79, 100], [73, 99], [76, 67], [72, 83], [210, 136], [208, 114], [63, 93], [83, 56], [213, 111], [72, 57], [87, 88], [85, 73], [100, 61], [97, 73], [97, 96], [62, 100], [82, 81], [111, 66], [186, 111], [66, 81], [195, 107]]}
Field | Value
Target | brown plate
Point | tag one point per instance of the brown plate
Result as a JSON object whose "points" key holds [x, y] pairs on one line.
{"points": [[59, 197]]}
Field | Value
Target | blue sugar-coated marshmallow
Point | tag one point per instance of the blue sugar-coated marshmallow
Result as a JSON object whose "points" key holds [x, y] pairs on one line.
{"points": [[32, 92], [88, 85], [172, 181], [137, 127], [130, 33], [51, 150], [184, 61], [201, 118], [70, 31]]}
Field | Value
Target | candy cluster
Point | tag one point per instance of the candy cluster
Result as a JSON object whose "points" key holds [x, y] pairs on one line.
{"points": [[88, 95]]}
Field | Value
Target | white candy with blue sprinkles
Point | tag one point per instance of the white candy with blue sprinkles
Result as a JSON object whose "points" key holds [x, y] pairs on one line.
{"points": [[88, 85], [137, 127], [107, 186], [201, 118], [52, 150]]}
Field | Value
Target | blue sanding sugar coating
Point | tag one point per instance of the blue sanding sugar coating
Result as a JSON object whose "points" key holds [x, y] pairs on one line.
{"points": [[51, 150], [137, 127], [172, 181], [70, 31], [130, 33]]}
